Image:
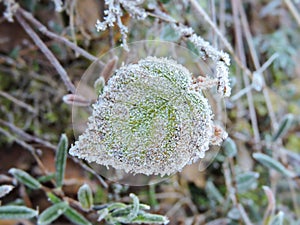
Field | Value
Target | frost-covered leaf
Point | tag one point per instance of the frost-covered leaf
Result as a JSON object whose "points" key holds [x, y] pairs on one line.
{"points": [[5, 189], [99, 85], [24, 178], [272, 164], [148, 218], [85, 196], [46, 178], [16, 212], [230, 148], [169, 34], [60, 160], [136, 206], [52, 213], [139, 118], [278, 219], [246, 181], [102, 214], [284, 126], [213, 192], [71, 214], [234, 213]]}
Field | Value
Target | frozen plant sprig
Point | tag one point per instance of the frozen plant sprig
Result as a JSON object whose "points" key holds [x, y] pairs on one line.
{"points": [[114, 13], [151, 118], [10, 9], [135, 213], [220, 58], [58, 5]]}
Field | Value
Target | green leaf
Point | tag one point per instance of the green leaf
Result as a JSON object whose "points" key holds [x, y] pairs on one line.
{"points": [[46, 178], [278, 219], [116, 205], [246, 181], [70, 213], [136, 206], [213, 192], [150, 218], [53, 198], [99, 85], [60, 160], [192, 48], [52, 213], [234, 214], [25, 178], [122, 212], [164, 1], [85, 196], [284, 126], [103, 213], [16, 212], [230, 148], [75, 217], [272, 164], [5, 189], [169, 34]]}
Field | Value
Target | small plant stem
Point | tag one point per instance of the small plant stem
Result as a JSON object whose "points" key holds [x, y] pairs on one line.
{"points": [[27, 147], [222, 17], [18, 102], [241, 53], [214, 19], [256, 63], [72, 30], [26, 136], [43, 29], [212, 24], [228, 168], [222, 38], [228, 182], [293, 10], [294, 197], [49, 55], [244, 215]]}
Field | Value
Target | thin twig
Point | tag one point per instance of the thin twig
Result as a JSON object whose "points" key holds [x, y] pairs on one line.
{"points": [[49, 55], [18, 102], [31, 138], [255, 59], [244, 215], [241, 53], [212, 24], [222, 38], [27, 137], [72, 29], [27, 147], [43, 29], [293, 10], [213, 15]]}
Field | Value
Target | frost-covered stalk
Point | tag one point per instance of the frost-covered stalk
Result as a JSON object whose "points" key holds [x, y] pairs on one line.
{"points": [[149, 119], [220, 58], [58, 5], [10, 8], [114, 13]]}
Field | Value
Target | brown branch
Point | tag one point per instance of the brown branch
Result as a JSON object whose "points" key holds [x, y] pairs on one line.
{"points": [[49, 55], [18, 102], [293, 10], [43, 29]]}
